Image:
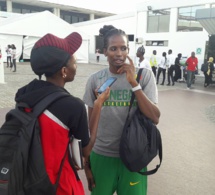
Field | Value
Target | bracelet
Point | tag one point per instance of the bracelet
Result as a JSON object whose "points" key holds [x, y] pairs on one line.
{"points": [[138, 87]]}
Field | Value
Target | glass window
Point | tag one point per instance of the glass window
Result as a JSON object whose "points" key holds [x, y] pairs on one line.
{"points": [[212, 5], [81, 19], [17, 10], [24, 11], [157, 43], [21, 8], [67, 18], [158, 21], [74, 19], [187, 20], [2, 6]]}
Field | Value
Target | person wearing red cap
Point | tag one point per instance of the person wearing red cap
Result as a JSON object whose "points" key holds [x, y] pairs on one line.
{"points": [[54, 57]]}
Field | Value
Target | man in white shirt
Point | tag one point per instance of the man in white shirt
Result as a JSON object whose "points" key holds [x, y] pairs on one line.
{"points": [[171, 67], [142, 62]]}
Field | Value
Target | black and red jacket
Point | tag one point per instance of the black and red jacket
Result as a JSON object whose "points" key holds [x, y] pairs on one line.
{"points": [[62, 118]]}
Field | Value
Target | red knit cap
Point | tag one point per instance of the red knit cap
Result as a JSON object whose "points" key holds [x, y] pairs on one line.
{"points": [[51, 53]]}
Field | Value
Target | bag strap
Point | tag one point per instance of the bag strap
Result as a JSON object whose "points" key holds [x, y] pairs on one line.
{"points": [[133, 96], [160, 157], [44, 103], [60, 169]]}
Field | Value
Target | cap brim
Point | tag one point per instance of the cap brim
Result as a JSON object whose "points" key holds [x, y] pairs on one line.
{"points": [[74, 40]]}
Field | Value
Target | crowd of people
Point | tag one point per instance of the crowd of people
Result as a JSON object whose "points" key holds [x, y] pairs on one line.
{"points": [[174, 68]]}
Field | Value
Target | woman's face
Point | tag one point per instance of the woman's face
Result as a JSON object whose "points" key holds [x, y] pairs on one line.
{"points": [[117, 50], [71, 69]]}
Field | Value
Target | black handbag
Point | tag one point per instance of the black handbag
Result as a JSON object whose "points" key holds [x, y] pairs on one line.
{"points": [[140, 141]]}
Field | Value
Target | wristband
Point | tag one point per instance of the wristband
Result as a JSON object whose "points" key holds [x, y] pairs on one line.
{"points": [[138, 87]]}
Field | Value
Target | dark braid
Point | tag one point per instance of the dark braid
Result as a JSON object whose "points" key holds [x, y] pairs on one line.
{"points": [[108, 31]]}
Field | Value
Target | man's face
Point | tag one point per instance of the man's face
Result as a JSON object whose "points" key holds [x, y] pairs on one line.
{"points": [[117, 50], [71, 68], [193, 54]]}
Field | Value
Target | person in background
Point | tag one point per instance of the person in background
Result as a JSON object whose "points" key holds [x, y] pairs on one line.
{"points": [[208, 72], [97, 55], [54, 57], [13, 56], [142, 62], [106, 172], [9, 51], [171, 67], [192, 66], [177, 68], [153, 62], [162, 68]]}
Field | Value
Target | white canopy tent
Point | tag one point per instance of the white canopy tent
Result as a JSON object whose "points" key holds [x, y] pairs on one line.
{"points": [[28, 28]]}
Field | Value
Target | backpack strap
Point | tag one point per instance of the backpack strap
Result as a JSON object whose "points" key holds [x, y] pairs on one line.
{"points": [[44, 103]]}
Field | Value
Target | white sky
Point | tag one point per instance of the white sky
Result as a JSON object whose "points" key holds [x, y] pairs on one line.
{"points": [[111, 6]]}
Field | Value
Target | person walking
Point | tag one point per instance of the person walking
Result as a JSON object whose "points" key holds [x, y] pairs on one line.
{"points": [[153, 62], [171, 68], [208, 72], [192, 66], [9, 51], [13, 56], [97, 55], [177, 68], [162, 68], [142, 62], [105, 172], [54, 57]]}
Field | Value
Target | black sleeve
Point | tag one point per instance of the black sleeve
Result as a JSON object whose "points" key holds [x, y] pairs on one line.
{"points": [[212, 67], [82, 132]]}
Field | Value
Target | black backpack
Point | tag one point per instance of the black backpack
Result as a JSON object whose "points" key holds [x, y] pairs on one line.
{"points": [[140, 141], [22, 169], [204, 67]]}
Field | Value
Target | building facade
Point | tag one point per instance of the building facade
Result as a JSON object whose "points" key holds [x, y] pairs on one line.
{"points": [[159, 25], [63, 9]]}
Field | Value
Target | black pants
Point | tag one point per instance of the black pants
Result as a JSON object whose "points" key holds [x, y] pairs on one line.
{"points": [[208, 79], [97, 58], [154, 70], [164, 74], [170, 73], [9, 63], [177, 72]]}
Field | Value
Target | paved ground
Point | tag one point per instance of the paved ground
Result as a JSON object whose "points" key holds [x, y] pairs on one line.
{"points": [[187, 125]]}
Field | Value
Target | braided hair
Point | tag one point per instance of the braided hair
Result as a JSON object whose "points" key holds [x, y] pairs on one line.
{"points": [[108, 31]]}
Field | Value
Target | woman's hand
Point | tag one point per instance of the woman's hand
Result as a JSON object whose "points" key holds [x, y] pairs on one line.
{"points": [[89, 176], [129, 69], [101, 98]]}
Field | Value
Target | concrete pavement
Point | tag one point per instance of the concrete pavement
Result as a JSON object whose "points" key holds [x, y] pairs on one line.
{"points": [[187, 125]]}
